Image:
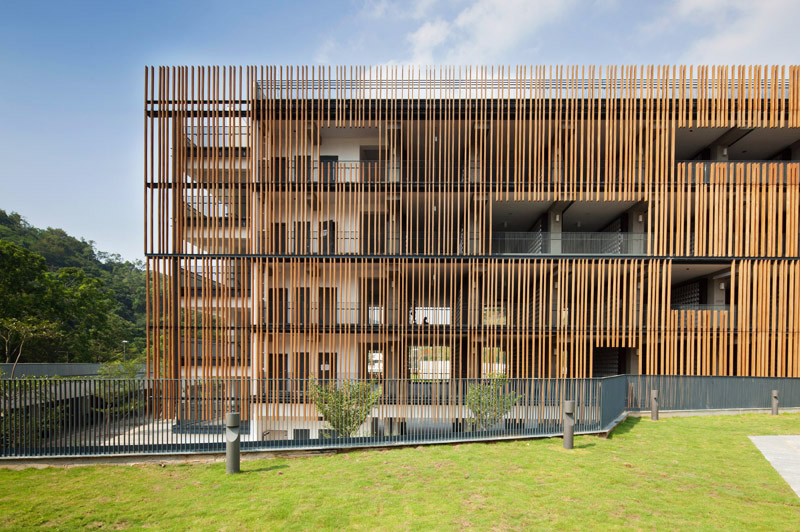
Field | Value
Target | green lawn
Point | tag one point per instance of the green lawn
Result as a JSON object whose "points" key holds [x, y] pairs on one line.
{"points": [[699, 473]]}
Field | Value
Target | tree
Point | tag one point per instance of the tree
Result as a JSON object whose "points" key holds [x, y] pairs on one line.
{"points": [[488, 402], [23, 286], [346, 405], [120, 370], [123, 394], [14, 331], [54, 276], [23, 280], [79, 305]]}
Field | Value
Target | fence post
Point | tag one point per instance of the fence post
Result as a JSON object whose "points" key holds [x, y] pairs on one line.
{"points": [[569, 423], [774, 402], [654, 405], [232, 442]]}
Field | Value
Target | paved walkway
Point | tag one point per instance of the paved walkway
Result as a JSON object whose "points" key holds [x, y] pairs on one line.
{"points": [[783, 452]]}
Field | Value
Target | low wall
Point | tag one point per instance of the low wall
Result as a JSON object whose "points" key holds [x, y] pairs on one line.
{"points": [[52, 370]]}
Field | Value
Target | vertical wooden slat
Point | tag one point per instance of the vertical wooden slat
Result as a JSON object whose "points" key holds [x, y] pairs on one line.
{"points": [[228, 191]]}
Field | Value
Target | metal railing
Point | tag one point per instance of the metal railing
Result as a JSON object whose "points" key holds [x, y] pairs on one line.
{"points": [[45, 417], [700, 171], [500, 316], [514, 243], [378, 86], [700, 307], [91, 417], [308, 170], [348, 313], [687, 392], [338, 242], [327, 314]]}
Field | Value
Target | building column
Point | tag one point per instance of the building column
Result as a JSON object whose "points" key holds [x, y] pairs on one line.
{"points": [[555, 220], [719, 152], [637, 216]]}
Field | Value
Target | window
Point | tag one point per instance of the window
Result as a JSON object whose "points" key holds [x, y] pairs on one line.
{"points": [[375, 315], [494, 315], [430, 316], [429, 362], [375, 364], [493, 361], [326, 367]]}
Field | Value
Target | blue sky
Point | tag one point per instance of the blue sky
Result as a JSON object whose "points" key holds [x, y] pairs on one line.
{"points": [[71, 81]]}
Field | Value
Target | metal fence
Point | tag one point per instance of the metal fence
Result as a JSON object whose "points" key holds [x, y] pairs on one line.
{"points": [[598, 243], [343, 242], [710, 393], [91, 417]]}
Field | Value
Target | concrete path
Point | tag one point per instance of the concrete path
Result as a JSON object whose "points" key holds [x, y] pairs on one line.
{"points": [[783, 452]]}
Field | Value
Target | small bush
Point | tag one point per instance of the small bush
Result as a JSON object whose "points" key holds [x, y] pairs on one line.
{"points": [[119, 370], [122, 393], [346, 405], [488, 402]]}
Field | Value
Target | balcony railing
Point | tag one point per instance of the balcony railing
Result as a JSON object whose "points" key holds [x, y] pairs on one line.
{"points": [[418, 319], [700, 171], [512, 243], [353, 313], [406, 172], [699, 307], [381, 88], [432, 243]]}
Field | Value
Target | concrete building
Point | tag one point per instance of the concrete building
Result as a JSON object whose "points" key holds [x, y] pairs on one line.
{"points": [[442, 224]]}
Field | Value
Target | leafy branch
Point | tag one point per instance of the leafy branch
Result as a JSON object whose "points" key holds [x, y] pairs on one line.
{"points": [[346, 405], [15, 332], [488, 401]]}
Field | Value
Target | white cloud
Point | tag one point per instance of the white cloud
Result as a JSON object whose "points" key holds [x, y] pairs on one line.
{"points": [[324, 52], [420, 8], [483, 32], [606, 5], [426, 39], [415, 9], [736, 31], [375, 8], [469, 32]]}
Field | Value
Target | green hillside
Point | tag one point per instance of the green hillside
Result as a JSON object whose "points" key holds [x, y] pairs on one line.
{"points": [[61, 300]]}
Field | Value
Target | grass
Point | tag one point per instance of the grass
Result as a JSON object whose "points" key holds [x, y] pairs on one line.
{"points": [[698, 473]]}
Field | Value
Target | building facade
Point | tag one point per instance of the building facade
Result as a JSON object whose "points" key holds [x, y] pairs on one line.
{"points": [[441, 224]]}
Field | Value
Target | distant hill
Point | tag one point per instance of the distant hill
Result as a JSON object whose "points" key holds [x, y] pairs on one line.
{"points": [[92, 300]]}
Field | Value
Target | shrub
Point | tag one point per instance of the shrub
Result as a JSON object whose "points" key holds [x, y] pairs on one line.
{"points": [[32, 412], [120, 370], [488, 402], [122, 390], [346, 405]]}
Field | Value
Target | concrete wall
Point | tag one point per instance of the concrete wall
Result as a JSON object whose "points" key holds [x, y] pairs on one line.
{"points": [[44, 370]]}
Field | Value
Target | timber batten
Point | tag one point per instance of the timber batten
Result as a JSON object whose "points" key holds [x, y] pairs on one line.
{"points": [[397, 223]]}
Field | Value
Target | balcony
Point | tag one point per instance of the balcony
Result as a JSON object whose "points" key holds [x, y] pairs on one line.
{"points": [[699, 316], [329, 170], [699, 307], [353, 313], [202, 209], [512, 243], [343, 315], [339, 313], [502, 243], [700, 172], [308, 170]]}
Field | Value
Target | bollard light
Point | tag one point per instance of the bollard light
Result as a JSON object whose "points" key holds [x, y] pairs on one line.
{"points": [[569, 424], [654, 405], [774, 402], [232, 442]]}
